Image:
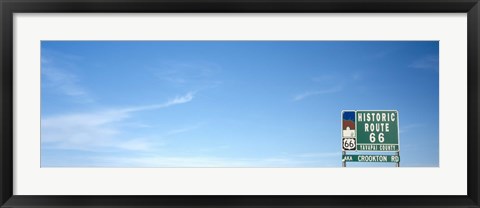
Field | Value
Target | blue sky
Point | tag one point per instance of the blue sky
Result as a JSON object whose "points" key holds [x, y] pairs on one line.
{"points": [[230, 103]]}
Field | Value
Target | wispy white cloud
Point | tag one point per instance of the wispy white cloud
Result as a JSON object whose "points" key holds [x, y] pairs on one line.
{"points": [[211, 148], [138, 144], [158, 159], [426, 62], [57, 78], [210, 161], [329, 83], [100, 130], [356, 76], [191, 75], [379, 54], [319, 154], [409, 127], [44, 60], [175, 101], [184, 129], [323, 78], [307, 94], [66, 83]]}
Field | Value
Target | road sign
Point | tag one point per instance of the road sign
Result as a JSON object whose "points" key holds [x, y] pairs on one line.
{"points": [[370, 131], [349, 133], [371, 158], [377, 130]]}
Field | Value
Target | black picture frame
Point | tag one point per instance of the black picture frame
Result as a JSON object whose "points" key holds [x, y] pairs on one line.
{"points": [[9, 7]]}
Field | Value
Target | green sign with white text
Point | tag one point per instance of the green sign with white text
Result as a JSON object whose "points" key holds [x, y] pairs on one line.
{"points": [[377, 130], [371, 158]]}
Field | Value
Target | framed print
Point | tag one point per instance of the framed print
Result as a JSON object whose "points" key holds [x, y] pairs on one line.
{"points": [[239, 103]]}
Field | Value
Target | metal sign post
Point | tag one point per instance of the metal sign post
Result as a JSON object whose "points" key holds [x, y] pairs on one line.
{"points": [[398, 154]]}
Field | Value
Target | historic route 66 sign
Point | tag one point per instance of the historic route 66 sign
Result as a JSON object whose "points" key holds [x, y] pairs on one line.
{"points": [[349, 143]]}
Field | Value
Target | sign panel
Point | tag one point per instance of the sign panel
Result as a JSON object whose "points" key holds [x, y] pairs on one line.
{"points": [[370, 130], [349, 141], [377, 131], [371, 158]]}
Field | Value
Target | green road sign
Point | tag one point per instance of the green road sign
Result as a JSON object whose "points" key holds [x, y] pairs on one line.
{"points": [[371, 158], [377, 130]]}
